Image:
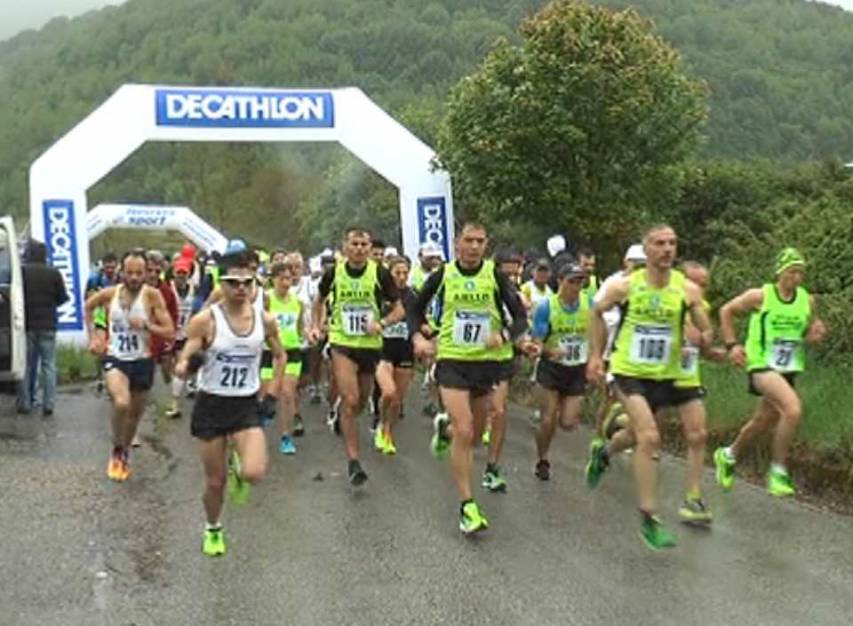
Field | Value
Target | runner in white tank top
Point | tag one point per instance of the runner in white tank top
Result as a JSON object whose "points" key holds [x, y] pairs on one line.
{"points": [[185, 297], [136, 312], [232, 333]]}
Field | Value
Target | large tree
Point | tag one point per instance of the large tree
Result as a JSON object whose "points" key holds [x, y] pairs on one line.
{"points": [[579, 126]]}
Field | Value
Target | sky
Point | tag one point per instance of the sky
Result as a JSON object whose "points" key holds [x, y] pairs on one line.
{"points": [[17, 15]]}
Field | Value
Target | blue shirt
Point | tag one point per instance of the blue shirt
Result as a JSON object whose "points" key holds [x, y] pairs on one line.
{"points": [[542, 317]]}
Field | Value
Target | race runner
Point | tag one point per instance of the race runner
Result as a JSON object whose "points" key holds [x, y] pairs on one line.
{"points": [[231, 334], [135, 312], [782, 320], [646, 360], [358, 287], [185, 295], [472, 292]]}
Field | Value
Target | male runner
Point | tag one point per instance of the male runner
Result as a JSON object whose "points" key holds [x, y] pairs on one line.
{"points": [[537, 289], [231, 333], [472, 331], [782, 320], [185, 297], [560, 327], [430, 257], [646, 361], [587, 260], [358, 287], [135, 312]]}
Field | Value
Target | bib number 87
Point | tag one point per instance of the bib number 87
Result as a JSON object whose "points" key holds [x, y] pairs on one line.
{"points": [[471, 333], [233, 377]]}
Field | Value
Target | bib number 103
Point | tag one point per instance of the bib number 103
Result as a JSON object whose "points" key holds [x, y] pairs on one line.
{"points": [[651, 345]]}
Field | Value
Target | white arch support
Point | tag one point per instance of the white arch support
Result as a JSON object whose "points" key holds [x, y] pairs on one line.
{"points": [[135, 114], [152, 217]]}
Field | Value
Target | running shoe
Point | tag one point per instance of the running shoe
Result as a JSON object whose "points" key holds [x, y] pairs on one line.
{"points": [[655, 535], [472, 519], [725, 465], [695, 511], [390, 448], [431, 409], [493, 481], [113, 466], [379, 440], [298, 426], [122, 468], [213, 543], [286, 445], [173, 412], [542, 470], [137, 441], [597, 463], [238, 489], [357, 475], [440, 443], [779, 484], [487, 436], [374, 424]]}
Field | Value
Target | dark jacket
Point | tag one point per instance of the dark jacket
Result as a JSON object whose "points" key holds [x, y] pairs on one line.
{"points": [[44, 291]]}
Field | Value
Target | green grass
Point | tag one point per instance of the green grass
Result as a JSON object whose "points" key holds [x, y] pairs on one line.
{"points": [[74, 364], [825, 390]]}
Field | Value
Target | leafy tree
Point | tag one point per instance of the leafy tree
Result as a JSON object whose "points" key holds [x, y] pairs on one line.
{"points": [[579, 126]]}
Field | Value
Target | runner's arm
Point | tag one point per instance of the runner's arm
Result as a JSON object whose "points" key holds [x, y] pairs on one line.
{"points": [[697, 314], [160, 322], [199, 330], [390, 293], [817, 329], [541, 325], [749, 300], [98, 299], [318, 309], [279, 356], [512, 300]]}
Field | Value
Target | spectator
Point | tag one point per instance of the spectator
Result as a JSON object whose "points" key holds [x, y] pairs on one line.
{"points": [[44, 292]]}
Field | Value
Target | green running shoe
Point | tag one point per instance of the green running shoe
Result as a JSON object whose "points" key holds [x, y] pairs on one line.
{"points": [[238, 489], [472, 519], [779, 484], [655, 534], [379, 442], [725, 465], [440, 443], [493, 481], [213, 543], [695, 511], [487, 437], [597, 463]]}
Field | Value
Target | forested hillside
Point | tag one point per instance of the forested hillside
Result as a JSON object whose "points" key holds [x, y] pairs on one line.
{"points": [[780, 74]]}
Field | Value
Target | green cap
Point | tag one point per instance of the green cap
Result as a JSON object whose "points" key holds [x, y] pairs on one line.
{"points": [[789, 257]]}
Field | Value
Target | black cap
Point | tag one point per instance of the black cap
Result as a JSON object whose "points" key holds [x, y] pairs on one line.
{"points": [[572, 270], [542, 264]]}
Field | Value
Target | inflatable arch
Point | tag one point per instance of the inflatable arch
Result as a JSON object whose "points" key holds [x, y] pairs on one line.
{"points": [[149, 217], [135, 114]]}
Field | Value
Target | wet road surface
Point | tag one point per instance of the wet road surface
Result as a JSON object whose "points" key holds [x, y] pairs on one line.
{"points": [[77, 549]]}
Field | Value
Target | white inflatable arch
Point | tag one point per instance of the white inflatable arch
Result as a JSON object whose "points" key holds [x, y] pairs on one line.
{"points": [[135, 114], [151, 217]]}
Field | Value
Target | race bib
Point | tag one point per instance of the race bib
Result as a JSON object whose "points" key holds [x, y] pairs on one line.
{"points": [[651, 345], [471, 328], [400, 330], [356, 320], [782, 359], [690, 361], [575, 347]]}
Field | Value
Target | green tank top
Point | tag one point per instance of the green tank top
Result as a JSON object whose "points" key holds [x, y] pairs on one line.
{"points": [[649, 338], [592, 288], [469, 315], [418, 277], [776, 332], [354, 308], [287, 313], [567, 330]]}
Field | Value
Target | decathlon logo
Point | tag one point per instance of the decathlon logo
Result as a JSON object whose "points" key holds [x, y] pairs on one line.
{"points": [[61, 240], [432, 223], [230, 108]]}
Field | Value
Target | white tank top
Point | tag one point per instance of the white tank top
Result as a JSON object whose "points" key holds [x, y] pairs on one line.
{"points": [[127, 344], [185, 310], [232, 366]]}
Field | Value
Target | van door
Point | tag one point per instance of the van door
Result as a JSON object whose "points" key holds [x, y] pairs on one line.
{"points": [[13, 338]]}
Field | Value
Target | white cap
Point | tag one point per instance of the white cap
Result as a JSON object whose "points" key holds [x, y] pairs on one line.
{"points": [[636, 253], [430, 248], [391, 251], [555, 245], [315, 265]]}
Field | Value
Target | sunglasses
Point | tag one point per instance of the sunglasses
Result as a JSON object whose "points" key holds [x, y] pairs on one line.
{"points": [[238, 282]]}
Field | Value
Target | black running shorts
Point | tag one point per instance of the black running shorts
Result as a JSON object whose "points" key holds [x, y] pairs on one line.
{"points": [[478, 377], [564, 379], [139, 373], [218, 416], [658, 393]]}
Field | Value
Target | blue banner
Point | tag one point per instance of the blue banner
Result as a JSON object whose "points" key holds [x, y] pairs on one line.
{"points": [[61, 240], [432, 223], [231, 108]]}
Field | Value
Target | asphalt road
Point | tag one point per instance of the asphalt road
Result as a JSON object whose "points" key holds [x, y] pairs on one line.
{"points": [[77, 549]]}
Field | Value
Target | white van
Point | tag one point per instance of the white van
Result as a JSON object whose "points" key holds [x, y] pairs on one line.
{"points": [[13, 336]]}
